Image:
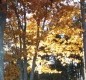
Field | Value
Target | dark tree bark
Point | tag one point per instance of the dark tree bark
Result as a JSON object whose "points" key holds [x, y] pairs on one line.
{"points": [[33, 67], [2, 25], [83, 14]]}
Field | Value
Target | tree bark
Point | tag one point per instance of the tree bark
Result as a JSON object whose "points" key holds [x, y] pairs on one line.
{"points": [[33, 67], [25, 56], [25, 69], [24, 45], [2, 25], [84, 36], [84, 59]]}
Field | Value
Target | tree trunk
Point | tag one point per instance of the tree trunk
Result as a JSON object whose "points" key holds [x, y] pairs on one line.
{"points": [[2, 25], [35, 56], [20, 61], [33, 67], [84, 45], [25, 68], [20, 64], [84, 36], [24, 46], [25, 56]]}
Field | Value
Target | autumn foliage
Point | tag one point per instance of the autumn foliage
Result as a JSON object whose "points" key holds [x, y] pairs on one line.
{"points": [[50, 30]]}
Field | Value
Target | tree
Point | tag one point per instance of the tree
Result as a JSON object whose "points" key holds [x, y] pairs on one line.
{"points": [[83, 14], [2, 26], [19, 12], [47, 38]]}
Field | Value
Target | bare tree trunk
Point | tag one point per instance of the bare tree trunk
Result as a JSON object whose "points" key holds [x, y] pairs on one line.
{"points": [[33, 67], [25, 59], [25, 69], [84, 45], [2, 25], [84, 36], [20, 62], [24, 45]]}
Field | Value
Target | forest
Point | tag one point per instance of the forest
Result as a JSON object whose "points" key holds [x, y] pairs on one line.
{"points": [[42, 39]]}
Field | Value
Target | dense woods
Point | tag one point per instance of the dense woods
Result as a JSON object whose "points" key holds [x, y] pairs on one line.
{"points": [[42, 40]]}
